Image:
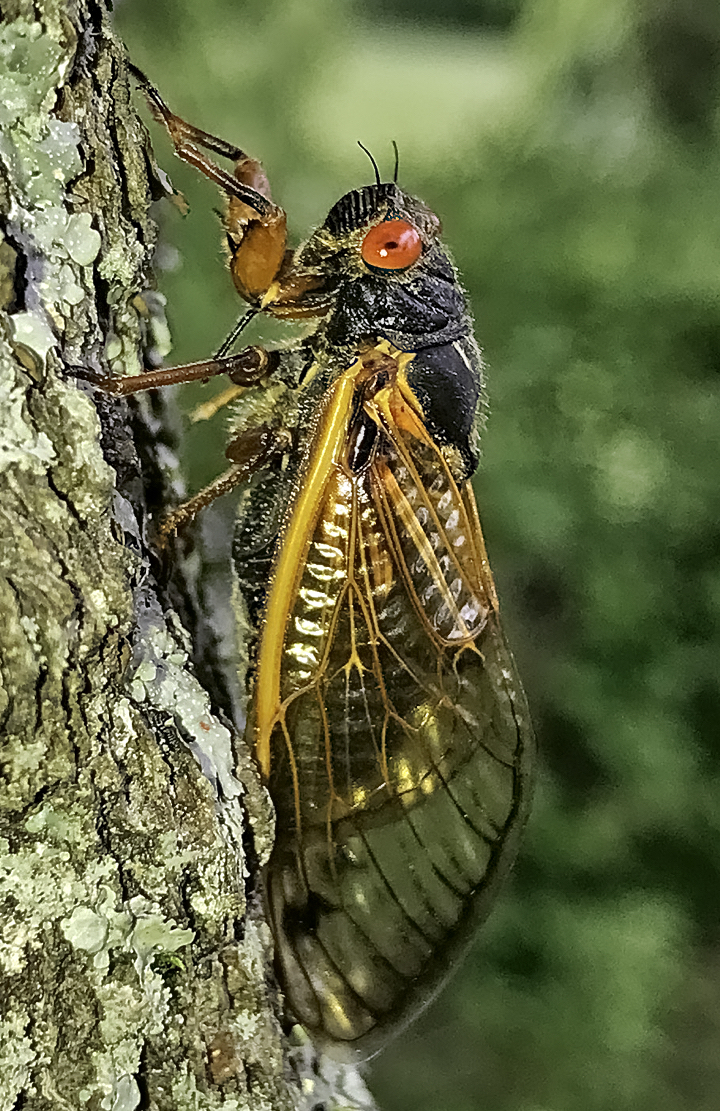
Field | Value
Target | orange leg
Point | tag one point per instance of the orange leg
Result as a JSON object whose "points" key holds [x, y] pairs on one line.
{"points": [[249, 185], [256, 227], [247, 368], [263, 270], [249, 452]]}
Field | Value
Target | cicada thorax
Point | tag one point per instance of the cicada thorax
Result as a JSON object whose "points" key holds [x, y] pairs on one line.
{"points": [[384, 712]]}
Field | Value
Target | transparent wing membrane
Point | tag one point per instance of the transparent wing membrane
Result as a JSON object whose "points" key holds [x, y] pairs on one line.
{"points": [[398, 748]]}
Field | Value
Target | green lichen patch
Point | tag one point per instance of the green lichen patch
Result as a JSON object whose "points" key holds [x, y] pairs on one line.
{"points": [[43, 150], [17, 1053], [24, 446], [161, 678], [30, 62], [82, 241], [39, 884], [135, 928]]}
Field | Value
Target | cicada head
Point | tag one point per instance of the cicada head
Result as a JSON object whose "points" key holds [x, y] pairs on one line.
{"points": [[392, 279], [374, 228]]}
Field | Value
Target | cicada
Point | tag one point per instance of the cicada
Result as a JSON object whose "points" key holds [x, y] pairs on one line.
{"points": [[385, 711]]}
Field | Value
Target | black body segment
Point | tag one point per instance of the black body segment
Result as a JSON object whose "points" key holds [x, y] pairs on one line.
{"points": [[447, 383], [418, 313]]}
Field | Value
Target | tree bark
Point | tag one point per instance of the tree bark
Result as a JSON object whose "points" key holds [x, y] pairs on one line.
{"points": [[134, 960]]}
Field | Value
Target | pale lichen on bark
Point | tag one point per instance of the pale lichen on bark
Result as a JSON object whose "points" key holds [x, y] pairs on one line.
{"points": [[130, 973]]}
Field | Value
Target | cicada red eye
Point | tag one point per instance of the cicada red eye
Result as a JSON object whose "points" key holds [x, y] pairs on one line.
{"points": [[392, 245]]}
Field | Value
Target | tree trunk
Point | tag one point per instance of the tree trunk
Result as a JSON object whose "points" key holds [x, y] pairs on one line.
{"points": [[134, 961]]}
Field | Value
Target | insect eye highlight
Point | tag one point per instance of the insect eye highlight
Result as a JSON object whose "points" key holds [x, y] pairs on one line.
{"points": [[392, 245]]}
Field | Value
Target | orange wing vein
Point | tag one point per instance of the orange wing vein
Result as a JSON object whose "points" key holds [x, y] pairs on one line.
{"points": [[397, 729]]}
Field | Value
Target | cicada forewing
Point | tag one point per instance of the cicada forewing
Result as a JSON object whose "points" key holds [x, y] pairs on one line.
{"points": [[388, 718]]}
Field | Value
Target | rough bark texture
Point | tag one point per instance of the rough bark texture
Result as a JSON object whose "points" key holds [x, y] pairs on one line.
{"points": [[133, 956]]}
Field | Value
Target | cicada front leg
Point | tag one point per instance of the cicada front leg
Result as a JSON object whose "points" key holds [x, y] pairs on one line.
{"points": [[256, 227], [265, 274], [263, 270]]}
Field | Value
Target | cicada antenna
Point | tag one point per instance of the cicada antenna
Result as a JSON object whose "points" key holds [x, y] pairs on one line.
{"points": [[375, 165], [397, 161]]}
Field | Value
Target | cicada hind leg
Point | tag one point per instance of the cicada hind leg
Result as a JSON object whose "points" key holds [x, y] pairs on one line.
{"points": [[249, 453]]}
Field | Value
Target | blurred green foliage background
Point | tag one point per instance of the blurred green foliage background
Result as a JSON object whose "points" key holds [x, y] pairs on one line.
{"points": [[572, 150]]}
